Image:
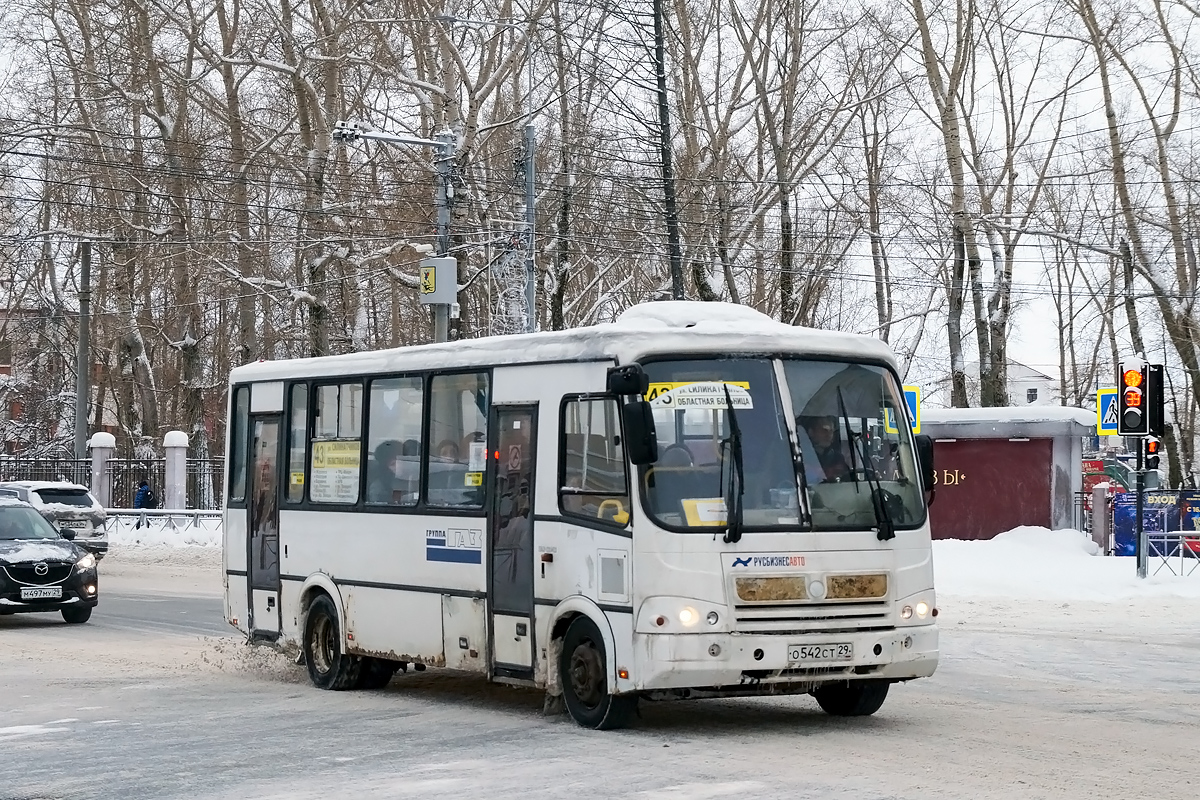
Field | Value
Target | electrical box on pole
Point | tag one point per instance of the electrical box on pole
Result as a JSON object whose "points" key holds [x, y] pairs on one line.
{"points": [[439, 280], [1132, 389]]}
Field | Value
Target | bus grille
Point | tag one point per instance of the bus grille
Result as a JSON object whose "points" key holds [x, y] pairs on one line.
{"points": [[812, 617]]}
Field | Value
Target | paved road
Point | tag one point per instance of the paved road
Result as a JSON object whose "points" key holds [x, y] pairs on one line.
{"points": [[155, 700], [152, 613]]}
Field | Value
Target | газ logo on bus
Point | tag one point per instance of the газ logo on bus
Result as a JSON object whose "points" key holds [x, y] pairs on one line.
{"points": [[770, 561], [456, 545]]}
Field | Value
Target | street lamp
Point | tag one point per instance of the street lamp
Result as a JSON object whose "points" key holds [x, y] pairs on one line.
{"points": [[439, 276], [530, 149]]}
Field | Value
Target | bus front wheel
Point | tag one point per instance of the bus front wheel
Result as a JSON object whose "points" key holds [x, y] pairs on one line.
{"points": [[329, 666], [852, 698], [585, 680]]}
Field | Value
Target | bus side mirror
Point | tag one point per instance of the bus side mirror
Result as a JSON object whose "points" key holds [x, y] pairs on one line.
{"points": [[641, 442], [628, 380], [925, 459]]}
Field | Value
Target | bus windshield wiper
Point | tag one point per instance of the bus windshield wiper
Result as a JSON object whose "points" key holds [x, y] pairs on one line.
{"points": [[733, 498], [885, 528]]}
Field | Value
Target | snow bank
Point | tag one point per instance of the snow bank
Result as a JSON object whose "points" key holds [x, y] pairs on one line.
{"points": [[164, 532], [1037, 563]]}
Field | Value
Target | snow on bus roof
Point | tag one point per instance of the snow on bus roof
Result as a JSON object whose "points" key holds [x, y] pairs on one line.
{"points": [[645, 329]]}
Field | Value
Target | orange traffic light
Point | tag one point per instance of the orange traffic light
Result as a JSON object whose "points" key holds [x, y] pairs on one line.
{"points": [[1133, 377]]}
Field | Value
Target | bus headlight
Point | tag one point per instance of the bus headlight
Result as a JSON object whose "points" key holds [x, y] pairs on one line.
{"points": [[681, 615], [916, 609]]}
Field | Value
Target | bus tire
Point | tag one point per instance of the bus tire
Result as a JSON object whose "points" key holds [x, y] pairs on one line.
{"points": [[852, 698], [376, 673], [329, 666], [585, 681]]}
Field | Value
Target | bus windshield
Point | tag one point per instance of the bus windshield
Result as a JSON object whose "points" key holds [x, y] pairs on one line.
{"points": [[854, 432], [851, 428], [686, 487]]}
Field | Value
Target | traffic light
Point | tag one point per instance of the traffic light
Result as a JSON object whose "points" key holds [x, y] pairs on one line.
{"points": [[1153, 446], [1132, 417]]}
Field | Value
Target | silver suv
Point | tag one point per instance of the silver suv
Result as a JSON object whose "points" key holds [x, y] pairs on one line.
{"points": [[66, 506]]}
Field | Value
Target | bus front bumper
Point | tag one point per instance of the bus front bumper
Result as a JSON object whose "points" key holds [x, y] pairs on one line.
{"points": [[680, 661]]}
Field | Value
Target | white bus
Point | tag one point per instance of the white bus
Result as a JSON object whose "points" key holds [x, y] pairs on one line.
{"points": [[693, 501]]}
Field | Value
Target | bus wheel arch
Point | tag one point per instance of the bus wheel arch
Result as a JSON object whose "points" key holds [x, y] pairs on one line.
{"points": [[323, 640], [564, 614], [582, 670]]}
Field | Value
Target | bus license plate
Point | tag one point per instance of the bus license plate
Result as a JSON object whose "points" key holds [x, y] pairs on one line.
{"points": [[841, 651], [41, 593]]}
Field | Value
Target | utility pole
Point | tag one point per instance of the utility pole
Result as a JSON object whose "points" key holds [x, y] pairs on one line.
{"points": [[664, 140], [83, 358], [530, 215], [530, 149], [441, 276], [445, 192]]}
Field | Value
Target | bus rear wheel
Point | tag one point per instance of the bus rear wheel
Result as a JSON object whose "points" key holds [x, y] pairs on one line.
{"points": [[584, 680], [329, 666], [852, 698]]}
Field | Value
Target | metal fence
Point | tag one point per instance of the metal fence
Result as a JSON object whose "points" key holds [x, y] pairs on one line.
{"points": [[24, 469], [205, 476], [1081, 514]]}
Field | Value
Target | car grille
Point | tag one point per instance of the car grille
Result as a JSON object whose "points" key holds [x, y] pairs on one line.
{"points": [[27, 574], [813, 617]]}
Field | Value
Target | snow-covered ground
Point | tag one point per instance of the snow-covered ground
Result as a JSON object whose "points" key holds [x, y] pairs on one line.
{"points": [[1038, 564], [1062, 678]]}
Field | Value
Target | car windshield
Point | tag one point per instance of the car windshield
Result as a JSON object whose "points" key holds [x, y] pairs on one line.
{"points": [[20, 522], [67, 497], [686, 487], [853, 431]]}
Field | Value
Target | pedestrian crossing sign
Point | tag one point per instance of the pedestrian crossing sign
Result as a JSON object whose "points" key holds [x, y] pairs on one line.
{"points": [[1106, 412]]}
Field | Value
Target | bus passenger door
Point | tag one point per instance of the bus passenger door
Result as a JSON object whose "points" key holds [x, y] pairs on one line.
{"points": [[510, 536], [263, 527]]}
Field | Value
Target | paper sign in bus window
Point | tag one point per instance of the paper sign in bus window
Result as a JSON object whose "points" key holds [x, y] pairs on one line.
{"points": [[477, 460], [335, 471], [699, 394], [703, 511]]}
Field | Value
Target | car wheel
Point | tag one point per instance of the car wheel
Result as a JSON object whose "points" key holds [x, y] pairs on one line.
{"points": [[584, 680], [852, 699], [329, 666], [77, 614]]}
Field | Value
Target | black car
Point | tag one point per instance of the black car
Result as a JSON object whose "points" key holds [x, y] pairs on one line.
{"points": [[41, 569]]}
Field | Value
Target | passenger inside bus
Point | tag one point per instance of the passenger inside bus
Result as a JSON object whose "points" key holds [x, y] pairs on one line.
{"points": [[448, 451], [383, 483]]}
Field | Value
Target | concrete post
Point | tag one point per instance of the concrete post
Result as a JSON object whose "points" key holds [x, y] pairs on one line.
{"points": [[103, 446], [1100, 518], [175, 445]]}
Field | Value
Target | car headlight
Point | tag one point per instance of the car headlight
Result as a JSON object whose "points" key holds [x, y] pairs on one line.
{"points": [[87, 562]]}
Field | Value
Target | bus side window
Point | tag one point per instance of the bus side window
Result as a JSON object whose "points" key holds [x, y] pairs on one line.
{"points": [[237, 445], [457, 454], [394, 441], [335, 463], [593, 479], [297, 443]]}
